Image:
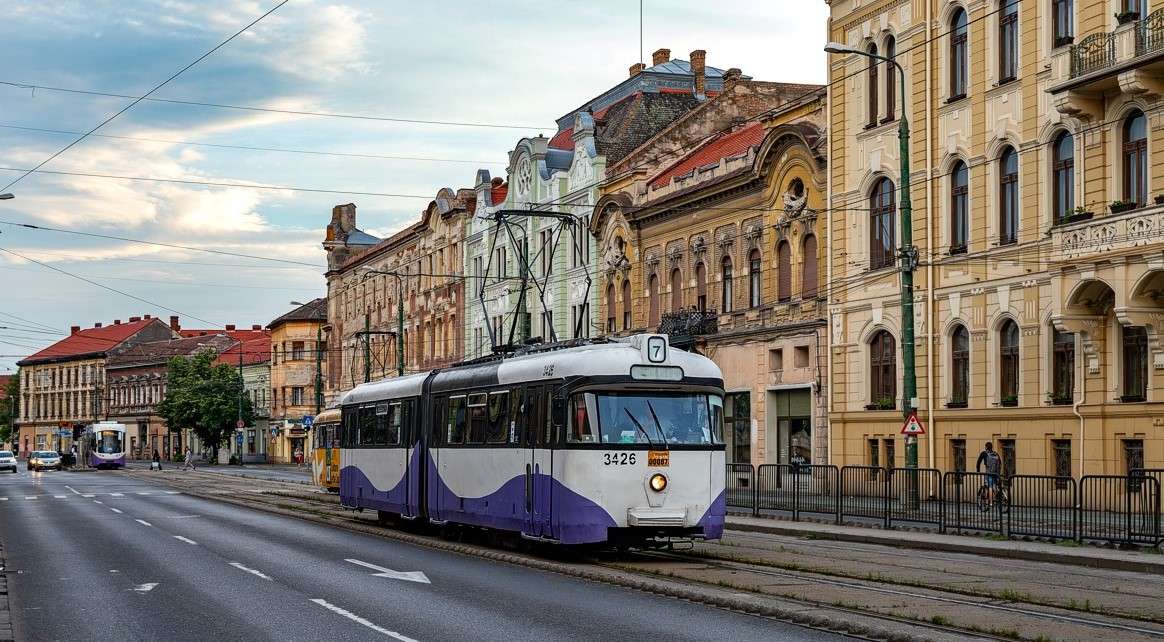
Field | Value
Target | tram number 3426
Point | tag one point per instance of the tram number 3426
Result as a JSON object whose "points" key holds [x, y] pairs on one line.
{"points": [[618, 459]]}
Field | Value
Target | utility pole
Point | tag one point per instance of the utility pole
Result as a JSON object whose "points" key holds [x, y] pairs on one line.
{"points": [[367, 347], [368, 271]]}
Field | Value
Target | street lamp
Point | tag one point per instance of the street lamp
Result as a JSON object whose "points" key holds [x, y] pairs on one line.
{"points": [[368, 271], [8, 196], [908, 255]]}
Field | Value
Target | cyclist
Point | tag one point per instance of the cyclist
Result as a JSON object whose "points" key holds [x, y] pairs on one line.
{"points": [[993, 464]]}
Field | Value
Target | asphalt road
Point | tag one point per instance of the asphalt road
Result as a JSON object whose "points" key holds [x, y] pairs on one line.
{"points": [[100, 555]]}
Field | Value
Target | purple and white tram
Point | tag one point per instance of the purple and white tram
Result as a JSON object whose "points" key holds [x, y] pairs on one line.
{"points": [[106, 444], [605, 442]]}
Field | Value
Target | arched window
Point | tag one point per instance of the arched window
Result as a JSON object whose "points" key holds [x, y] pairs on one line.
{"points": [[958, 54], [610, 309], [883, 370], [754, 283], [1008, 203], [1008, 363], [873, 64], [626, 304], [882, 215], [676, 289], [653, 303], [1007, 40], [726, 291], [810, 283], [1062, 13], [890, 80], [959, 367], [700, 286], [959, 208], [783, 272], [1135, 166], [1063, 158]]}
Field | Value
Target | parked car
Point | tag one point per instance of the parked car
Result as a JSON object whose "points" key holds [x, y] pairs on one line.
{"points": [[42, 459], [7, 460]]}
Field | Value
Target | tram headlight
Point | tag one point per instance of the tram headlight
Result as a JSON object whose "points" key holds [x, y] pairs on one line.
{"points": [[658, 482]]}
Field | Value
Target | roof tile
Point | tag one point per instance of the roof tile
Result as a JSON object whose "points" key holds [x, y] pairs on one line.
{"points": [[732, 144]]}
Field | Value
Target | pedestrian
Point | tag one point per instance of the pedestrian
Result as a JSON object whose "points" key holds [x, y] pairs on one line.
{"points": [[993, 464], [157, 460], [298, 456], [189, 463]]}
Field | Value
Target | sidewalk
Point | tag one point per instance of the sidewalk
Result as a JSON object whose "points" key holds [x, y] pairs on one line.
{"points": [[267, 472], [1090, 556]]}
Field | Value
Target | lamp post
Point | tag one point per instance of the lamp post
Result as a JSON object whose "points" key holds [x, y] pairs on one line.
{"points": [[908, 255], [369, 271], [7, 196]]}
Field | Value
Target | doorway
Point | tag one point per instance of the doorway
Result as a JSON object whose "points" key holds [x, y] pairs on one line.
{"points": [[789, 426]]}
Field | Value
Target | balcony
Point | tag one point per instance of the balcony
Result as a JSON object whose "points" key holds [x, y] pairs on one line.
{"points": [[689, 323], [1104, 236], [1109, 61]]}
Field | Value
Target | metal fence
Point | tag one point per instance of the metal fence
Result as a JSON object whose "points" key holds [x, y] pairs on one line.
{"points": [[1111, 508]]}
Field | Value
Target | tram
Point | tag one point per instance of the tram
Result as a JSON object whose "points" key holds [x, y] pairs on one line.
{"points": [[105, 443], [325, 453], [600, 442]]}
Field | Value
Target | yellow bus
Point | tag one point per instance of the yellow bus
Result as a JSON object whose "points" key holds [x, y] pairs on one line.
{"points": [[325, 454]]}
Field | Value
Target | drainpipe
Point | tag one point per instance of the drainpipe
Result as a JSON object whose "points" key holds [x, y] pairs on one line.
{"points": [[1081, 384], [829, 269], [931, 315]]}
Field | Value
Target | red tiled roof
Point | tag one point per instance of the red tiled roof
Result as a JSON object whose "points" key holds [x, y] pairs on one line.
{"points": [[89, 341], [254, 351], [239, 334], [563, 139], [497, 194], [719, 148]]}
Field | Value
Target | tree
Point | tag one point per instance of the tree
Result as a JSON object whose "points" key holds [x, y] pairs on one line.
{"points": [[204, 397], [9, 411]]}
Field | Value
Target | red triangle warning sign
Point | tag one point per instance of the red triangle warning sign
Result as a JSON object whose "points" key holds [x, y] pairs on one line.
{"points": [[913, 426]]}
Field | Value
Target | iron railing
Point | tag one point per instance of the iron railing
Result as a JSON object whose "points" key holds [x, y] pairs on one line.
{"points": [[689, 322], [1096, 51], [1150, 33], [1109, 508]]}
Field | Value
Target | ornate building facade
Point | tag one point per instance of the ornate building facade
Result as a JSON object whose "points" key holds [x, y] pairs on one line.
{"points": [[710, 235], [1035, 225]]}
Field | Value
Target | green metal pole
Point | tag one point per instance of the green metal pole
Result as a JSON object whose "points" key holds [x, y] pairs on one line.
{"points": [[318, 369], [908, 254], [399, 326], [367, 348]]}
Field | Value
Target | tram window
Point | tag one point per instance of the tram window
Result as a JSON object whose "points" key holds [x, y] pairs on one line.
{"points": [[368, 426], [381, 425], [517, 416], [581, 428], [498, 418], [351, 430], [553, 415], [477, 419], [456, 421], [392, 426]]}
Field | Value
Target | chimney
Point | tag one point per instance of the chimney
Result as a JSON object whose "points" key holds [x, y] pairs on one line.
{"points": [[660, 56], [230, 327], [731, 77], [345, 216], [75, 329], [257, 327], [174, 323], [147, 317], [97, 325], [117, 322], [134, 319], [637, 69], [698, 67]]}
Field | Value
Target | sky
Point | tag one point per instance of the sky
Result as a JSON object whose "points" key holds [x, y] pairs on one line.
{"points": [[514, 64]]}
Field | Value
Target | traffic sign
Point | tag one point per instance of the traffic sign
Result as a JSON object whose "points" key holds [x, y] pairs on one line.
{"points": [[913, 426], [308, 421], [238, 438], [240, 424]]}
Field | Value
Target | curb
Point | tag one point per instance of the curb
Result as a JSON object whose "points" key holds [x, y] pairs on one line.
{"points": [[900, 540], [6, 626]]}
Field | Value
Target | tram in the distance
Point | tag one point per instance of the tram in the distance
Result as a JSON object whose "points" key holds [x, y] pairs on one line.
{"points": [[105, 443]]}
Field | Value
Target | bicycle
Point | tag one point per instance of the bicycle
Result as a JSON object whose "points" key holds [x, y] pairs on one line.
{"points": [[1001, 497]]}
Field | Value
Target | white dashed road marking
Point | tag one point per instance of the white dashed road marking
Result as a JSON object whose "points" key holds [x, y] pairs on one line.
{"points": [[143, 522], [98, 501], [87, 496], [250, 570], [72, 490], [184, 539], [359, 620], [32, 497], [60, 496], [115, 510], [115, 495]]}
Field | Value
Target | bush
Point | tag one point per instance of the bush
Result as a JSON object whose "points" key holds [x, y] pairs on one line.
{"points": [[235, 461]]}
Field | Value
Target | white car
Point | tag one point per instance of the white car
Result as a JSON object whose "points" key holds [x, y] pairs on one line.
{"points": [[7, 460]]}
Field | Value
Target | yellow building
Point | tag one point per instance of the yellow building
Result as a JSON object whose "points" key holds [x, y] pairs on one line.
{"points": [[709, 234], [1039, 249], [297, 355]]}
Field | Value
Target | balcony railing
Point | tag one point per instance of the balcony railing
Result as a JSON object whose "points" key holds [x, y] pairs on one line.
{"points": [[1150, 33], [689, 322], [1096, 51], [1099, 50]]}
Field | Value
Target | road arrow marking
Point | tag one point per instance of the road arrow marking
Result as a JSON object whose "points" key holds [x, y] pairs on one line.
{"points": [[251, 571], [145, 588], [359, 620], [184, 539], [407, 576], [143, 522]]}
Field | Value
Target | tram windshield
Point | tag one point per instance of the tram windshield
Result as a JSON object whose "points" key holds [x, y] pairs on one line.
{"points": [[652, 419], [109, 442]]}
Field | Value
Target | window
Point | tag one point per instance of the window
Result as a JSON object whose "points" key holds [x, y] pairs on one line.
{"points": [[959, 367], [478, 421], [548, 325], [890, 448], [737, 425], [653, 299], [1135, 156], [1008, 41], [783, 272], [581, 238], [890, 80], [457, 419], [874, 454], [883, 370], [1063, 157], [626, 304], [726, 289], [1008, 203], [1062, 15], [545, 241], [959, 208], [800, 356], [873, 64], [958, 455], [1135, 384], [580, 320], [676, 289], [1063, 368], [810, 282], [754, 283], [498, 426], [610, 309], [1061, 451], [958, 55], [297, 396], [700, 286], [1133, 455], [881, 225], [776, 360], [1133, 6], [1008, 363], [367, 426]]}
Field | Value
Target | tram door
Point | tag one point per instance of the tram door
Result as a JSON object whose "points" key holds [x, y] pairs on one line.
{"points": [[410, 437], [540, 469]]}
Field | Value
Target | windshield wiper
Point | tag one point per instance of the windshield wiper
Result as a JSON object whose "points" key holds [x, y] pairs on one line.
{"points": [[640, 427], [658, 424]]}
